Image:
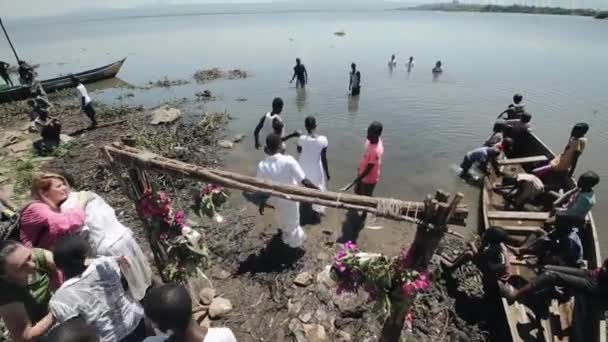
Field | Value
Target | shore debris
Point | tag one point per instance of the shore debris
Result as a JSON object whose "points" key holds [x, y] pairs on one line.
{"points": [[303, 279], [205, 95], [225, 144], [165, 114]]}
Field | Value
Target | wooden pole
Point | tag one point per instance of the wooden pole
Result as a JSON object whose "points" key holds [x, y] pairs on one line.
{"points": [[429, 234], [132, 156], [9, 41]]}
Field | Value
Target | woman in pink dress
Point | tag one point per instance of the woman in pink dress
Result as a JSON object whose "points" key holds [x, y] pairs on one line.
{"points": [[42, 223]]}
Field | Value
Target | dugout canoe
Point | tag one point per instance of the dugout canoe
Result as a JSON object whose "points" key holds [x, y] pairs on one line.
{"points": [[544, 316], [21, 92]]}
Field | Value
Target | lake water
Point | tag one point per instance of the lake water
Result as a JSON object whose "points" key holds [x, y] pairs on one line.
{"points": [[558, 63]]}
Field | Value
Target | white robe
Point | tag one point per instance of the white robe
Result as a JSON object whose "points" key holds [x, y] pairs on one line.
{"points": [[310, 160], [110, 238], [284, 169]]}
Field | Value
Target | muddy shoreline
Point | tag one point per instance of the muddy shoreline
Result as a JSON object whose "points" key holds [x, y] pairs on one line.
{"points": [[247, 267]]}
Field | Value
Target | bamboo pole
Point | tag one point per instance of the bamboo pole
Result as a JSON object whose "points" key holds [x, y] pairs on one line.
{"points": [[129, 155]]}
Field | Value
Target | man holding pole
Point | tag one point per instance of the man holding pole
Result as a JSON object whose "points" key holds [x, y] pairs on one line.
{"points": [[283, 169]]}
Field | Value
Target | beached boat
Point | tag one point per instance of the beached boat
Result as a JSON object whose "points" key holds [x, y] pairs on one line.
{"points": [[23, 92], [541, 317]]}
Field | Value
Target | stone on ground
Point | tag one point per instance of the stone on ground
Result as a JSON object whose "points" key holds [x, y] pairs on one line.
{"points": [[165, 114], [225, 144], [303, 279], [315, 333], [20, 147], [206, 295], [219, 307]]}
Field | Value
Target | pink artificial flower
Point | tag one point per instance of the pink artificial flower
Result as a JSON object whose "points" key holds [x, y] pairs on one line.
{"points": [[179, 218], [409, 317], [409, 289], [340, 266], [349, 245]]}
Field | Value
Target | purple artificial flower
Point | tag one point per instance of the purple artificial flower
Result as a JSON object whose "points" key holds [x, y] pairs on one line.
{"points": [[179, 218]]}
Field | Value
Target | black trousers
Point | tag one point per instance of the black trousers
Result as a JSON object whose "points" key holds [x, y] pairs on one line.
{"points": [[573, 278], [90, 112]]}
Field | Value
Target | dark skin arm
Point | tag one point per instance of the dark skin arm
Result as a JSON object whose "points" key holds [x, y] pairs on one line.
{"points": [[365, 172], [324, 162], [256, 132], [295, 134], [350, 82], [294, 75], [305, 182], [574, 162], [305, 76]]}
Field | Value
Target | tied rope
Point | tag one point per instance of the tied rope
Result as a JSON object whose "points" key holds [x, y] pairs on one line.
{"points": [[391, 208]]}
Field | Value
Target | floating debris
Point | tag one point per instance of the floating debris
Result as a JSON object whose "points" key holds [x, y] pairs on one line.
{"points": [[340, 33], [206, 75], [165, 83]]}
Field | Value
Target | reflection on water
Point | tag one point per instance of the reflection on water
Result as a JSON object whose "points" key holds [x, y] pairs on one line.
{"points": [[300, 99], [353, 104]]}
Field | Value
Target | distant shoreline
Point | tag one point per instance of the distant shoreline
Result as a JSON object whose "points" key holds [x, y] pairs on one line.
{"points": [[456, 7]]}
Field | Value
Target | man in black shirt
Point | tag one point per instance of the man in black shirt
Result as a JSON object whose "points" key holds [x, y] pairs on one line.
{"points": [[300, 72], [4, 73]]}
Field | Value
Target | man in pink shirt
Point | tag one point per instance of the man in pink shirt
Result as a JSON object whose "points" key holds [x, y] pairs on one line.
{"points": [[368, 173]]}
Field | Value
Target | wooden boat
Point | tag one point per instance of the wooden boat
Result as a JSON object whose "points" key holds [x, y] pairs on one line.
{"points": [[542, 316], [21, 92]]}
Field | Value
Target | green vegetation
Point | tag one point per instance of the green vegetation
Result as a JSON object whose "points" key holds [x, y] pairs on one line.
{"points": [[455, 7], [24, 172]]}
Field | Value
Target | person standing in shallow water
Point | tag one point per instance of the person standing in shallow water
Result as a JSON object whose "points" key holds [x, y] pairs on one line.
{"points": [[438, 68], [368, 173], [299, 72], [312, 148], [410, 64], [266, 123], [283, 169], [354, 85]]}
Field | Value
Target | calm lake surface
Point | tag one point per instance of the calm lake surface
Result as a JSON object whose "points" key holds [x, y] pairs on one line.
{"points": [[558, 63]]}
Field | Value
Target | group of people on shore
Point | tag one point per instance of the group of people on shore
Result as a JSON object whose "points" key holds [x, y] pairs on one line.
{"points": [[72, 272], [310, 170]]}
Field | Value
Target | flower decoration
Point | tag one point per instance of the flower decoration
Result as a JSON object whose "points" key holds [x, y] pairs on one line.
{"points": [[381, 277], [209, 199]]}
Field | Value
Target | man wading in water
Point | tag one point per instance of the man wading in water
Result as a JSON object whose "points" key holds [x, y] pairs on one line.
{"points": [[265, 126], [300, 72]]}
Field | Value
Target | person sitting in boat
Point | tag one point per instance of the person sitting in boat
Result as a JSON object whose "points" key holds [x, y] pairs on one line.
{"points": [[521, 125], [581, 281], [438, 68], [4, 73], [579, 201], [488, 253], [497, 134], [566, 161], [521, 189], [515, 109], [483, 156]]}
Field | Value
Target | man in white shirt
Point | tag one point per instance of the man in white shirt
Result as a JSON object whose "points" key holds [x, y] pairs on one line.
{"points": [[95, 293], [283, 169], [85, 101], [170, 308]]}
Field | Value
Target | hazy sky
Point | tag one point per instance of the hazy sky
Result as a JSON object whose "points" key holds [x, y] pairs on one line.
{"points": [[28, 8]]}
